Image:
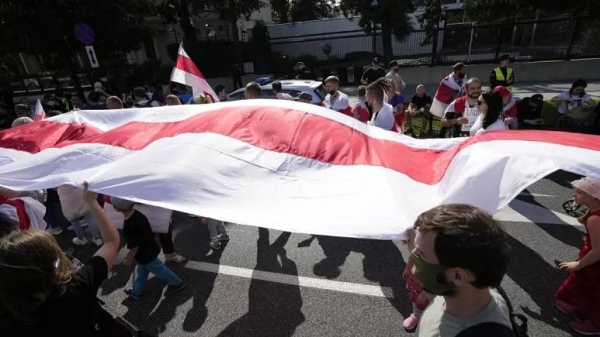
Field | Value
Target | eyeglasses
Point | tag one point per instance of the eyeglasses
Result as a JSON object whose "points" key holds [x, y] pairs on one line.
{"points": [[479, 103]]}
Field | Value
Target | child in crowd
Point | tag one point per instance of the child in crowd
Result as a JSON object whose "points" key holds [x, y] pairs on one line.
{"points": [[415, 292], [579, 295], [144, 250], [360, 109], [78, 213], [217, 231]]}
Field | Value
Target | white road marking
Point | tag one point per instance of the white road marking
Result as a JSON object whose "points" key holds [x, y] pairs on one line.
{"points": [[521, 211], [302, 281]]}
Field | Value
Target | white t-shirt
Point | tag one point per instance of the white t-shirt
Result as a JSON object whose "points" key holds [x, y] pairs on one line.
{"points": [[283, 95], [471, 113], [576, 101], [477, 126], [384, 118]]}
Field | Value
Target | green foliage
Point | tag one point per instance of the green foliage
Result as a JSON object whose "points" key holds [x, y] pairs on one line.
{"points": [[47, 26], [388, 13], [229, 10], [300, 10]]}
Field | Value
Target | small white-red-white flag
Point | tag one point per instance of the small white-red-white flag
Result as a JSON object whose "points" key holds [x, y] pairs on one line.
{"points": [[186, 72], [39, 111]]}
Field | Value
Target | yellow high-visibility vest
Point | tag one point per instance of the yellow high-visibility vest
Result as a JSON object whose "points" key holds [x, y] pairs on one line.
{"points": [[500, 76]]}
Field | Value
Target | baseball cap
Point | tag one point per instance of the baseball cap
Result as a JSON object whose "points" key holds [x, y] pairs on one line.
{"points": [[121, 204], [375, 61], [502, 90], [393, 63], [589, 185], [504, 57]]}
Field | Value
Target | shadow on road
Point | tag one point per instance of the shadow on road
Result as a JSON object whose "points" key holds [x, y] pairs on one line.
{"points": [[145, 314], [275, 309], [382, 263], [566, 233], [540, 281]]}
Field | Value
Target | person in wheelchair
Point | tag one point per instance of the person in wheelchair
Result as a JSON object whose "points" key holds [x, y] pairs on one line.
{"points": [[575, 107]]}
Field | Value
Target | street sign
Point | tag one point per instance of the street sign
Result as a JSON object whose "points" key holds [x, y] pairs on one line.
{"points": [[91, 54], [84, 33]]}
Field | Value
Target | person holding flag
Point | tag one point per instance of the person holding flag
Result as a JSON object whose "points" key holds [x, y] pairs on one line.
{"points": [[451, 87]]}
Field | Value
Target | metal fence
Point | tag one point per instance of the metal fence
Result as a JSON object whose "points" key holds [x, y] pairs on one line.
{"points": [[526, 41]]}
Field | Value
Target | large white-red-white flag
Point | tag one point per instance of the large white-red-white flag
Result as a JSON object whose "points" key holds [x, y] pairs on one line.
{"points": [[186, 72], [283, 165]]}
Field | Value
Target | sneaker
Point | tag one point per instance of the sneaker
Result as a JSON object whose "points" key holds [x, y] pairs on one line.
{"points": [[98, 242], [565, 307], [585, 328], [129, 292], [173, 289], [411, 322], [54, 231], [223, 237], [216, 245], [80, 242]]}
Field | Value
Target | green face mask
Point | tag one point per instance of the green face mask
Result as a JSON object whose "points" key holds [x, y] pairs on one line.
{"points": [[427, 274]]}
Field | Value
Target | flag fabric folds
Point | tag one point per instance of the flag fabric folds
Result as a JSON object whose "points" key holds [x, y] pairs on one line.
{"points": [[283, 165]]}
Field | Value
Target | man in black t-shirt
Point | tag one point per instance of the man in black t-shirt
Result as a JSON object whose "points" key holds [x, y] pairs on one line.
{"points": [[420, 105], [144, 250], [373, 74]]}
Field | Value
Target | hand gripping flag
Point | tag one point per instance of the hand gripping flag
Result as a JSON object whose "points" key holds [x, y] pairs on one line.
{"points": [[284, 165], [186, 72]]}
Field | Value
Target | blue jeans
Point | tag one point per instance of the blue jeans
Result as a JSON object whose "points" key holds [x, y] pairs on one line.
{"points": [[158, 268]]}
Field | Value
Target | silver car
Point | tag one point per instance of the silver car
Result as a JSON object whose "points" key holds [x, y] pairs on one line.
{"points": [[291, 87]]}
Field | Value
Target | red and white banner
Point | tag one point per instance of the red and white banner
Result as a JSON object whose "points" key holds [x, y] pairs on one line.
{"points": [[186, 72], [283, 165]]}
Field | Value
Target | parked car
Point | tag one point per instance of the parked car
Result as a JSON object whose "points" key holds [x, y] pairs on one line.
{"points": [[292, 87]]}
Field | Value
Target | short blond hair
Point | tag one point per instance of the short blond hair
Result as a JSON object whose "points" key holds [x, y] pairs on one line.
{"points": [[332, 79]]}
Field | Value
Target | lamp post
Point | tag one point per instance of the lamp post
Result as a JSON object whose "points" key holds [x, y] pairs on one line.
{"points": [[374, 5]]}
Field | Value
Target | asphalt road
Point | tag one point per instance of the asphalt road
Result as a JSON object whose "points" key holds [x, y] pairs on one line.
{"points": [[268, 283]]}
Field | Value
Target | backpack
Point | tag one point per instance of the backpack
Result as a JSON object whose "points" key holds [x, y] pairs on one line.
{"points": [[493, 329]]}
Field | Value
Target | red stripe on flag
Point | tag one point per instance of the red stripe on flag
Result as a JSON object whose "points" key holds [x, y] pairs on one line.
{"points": [[287, 131], [187, 65], [41, 135]]}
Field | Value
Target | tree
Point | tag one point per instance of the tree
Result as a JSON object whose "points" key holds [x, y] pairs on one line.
{"points": [[300, 10], [484, 11], [392, 15], [178, 11], [46, 27], [280, 10], [305, 10], [228, 10]]}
